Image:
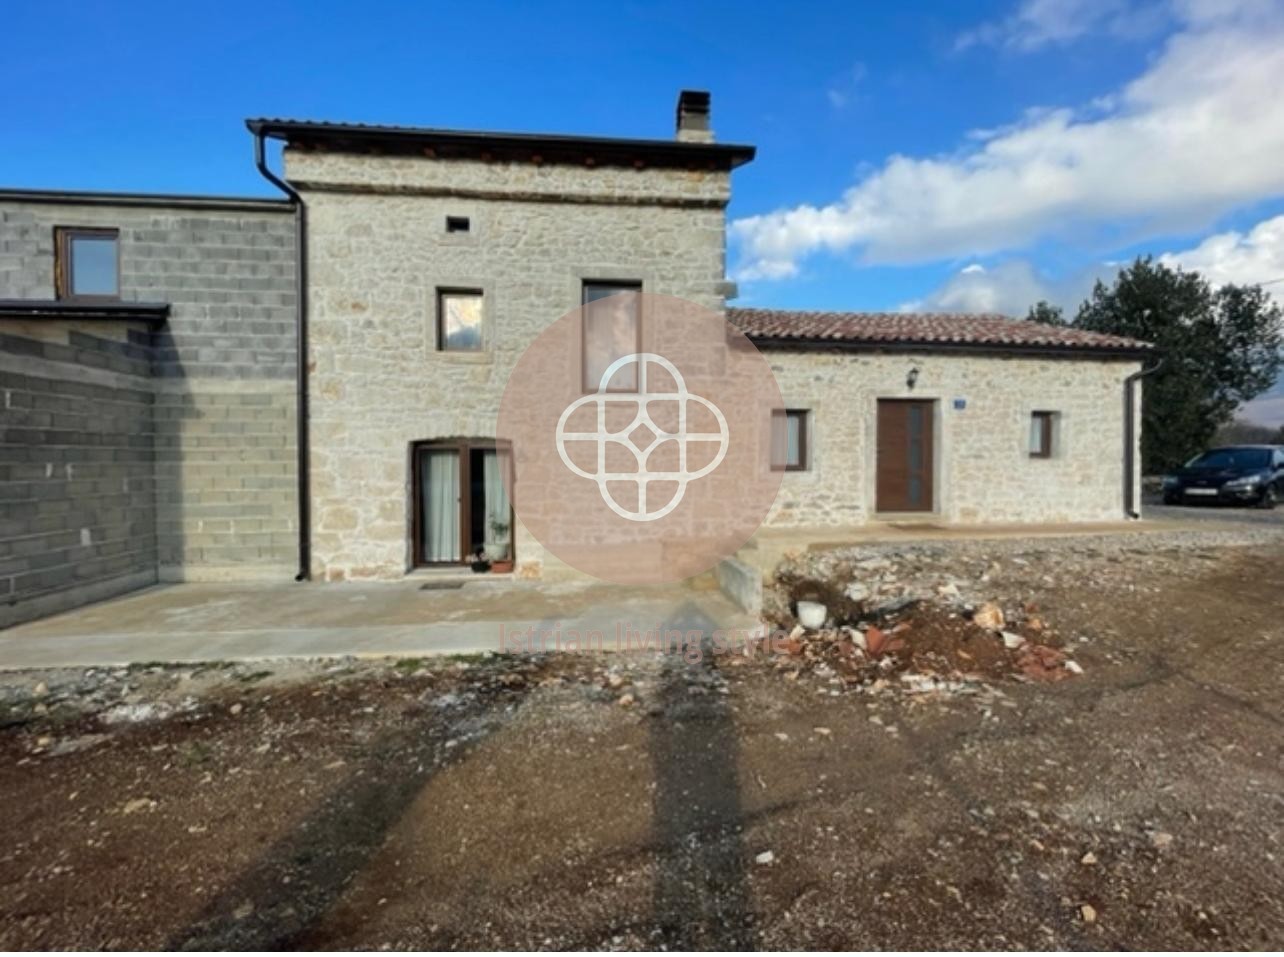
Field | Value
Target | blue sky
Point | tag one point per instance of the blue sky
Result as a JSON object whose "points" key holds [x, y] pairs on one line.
{"points": [[936, 155]]}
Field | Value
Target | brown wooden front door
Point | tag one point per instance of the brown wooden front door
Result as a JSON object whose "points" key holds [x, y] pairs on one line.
{"points": [[904, 455]]}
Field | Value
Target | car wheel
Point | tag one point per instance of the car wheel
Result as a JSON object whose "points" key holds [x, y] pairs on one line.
{"points": [[1268, 498], [1171, 499]]}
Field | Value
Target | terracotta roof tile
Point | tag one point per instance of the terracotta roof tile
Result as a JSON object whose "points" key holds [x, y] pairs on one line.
{"points": [[920, 329]]}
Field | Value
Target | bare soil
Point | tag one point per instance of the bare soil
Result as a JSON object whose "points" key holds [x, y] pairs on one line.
{"points": [[638, 802]]}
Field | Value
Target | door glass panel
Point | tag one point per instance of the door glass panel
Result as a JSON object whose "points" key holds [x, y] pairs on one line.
{"points": [[915, 490], [439, 505], [497, 512]]}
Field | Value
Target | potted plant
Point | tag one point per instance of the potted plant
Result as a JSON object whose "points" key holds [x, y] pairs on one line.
{"points": [[500, 559]]}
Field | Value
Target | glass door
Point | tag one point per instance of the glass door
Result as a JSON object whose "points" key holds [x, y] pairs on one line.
{"points": [[461, 502], [440, 539]]}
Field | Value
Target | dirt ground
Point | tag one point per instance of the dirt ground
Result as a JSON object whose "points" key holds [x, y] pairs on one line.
{"points": [[644, 801]]}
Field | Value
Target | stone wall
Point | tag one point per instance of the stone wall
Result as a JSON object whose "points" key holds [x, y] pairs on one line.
{"points": [[984, 472], [77, 483], [379, 251], [223, 371]]}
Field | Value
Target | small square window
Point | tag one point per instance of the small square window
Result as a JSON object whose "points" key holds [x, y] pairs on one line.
{"points": [[612, 330], [789, 440], [86, 263], [1042, 434], [459, 320], [458, 224]]}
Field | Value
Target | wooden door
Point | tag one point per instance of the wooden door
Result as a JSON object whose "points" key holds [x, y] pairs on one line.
{"points": [[904, 466]]}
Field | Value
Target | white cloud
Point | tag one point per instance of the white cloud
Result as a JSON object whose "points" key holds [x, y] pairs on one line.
{"points": [[1014, 285], [1200, 132], [1268, 410], [1243, 258], [1039, 23], [1010, 288], [1254, 257], [846, 87]]}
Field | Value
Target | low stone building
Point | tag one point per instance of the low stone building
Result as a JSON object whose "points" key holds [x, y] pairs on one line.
{"points": [[966, 419], [150, 377]]}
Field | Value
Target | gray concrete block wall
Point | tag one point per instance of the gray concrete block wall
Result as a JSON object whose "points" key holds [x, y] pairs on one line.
{"points": [[222, 368], [77, 477], [228, 275]]}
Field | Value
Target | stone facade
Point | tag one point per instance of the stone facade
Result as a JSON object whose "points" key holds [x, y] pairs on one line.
{"points": [[219, 376], [378, 253], [984, 471]]}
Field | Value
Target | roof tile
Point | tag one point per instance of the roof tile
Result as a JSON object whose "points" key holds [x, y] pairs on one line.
{"points": [[920, 329]]}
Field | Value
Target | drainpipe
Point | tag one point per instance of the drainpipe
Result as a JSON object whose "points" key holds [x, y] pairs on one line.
{"points": [[301, 351], [1130, 435]]}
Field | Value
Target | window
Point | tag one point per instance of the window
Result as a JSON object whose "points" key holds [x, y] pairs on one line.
{"points": [[789, 440], [86, 263], [612, 329], [1042, 434], [459, 320], [457, 224]]}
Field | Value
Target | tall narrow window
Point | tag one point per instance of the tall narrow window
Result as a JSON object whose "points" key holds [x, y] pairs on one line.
{"points": [[459, 320], [86, 263], [789, 440], [1042, 434], [612, 330]]}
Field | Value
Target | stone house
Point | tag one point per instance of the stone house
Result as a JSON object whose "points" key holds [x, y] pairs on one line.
{"points": [[150, 423]]}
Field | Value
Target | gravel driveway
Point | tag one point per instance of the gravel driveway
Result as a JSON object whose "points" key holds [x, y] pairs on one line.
{"points": [[644, 802], [1156, 510]]}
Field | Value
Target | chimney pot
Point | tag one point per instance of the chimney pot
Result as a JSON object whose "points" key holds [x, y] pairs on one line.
{"points": [[693, 117]]}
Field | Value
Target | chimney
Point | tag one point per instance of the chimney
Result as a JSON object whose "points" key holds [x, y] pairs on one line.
{"points": [[693, 117]]}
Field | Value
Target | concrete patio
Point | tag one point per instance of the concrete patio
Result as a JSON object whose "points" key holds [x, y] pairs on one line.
{"points": [[204, 622], [766, 549]]}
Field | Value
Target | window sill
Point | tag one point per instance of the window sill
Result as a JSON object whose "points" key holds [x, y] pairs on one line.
{"points": [[483, 357]]}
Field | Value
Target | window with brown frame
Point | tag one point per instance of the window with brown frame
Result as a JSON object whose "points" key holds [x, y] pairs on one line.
{"points": [[789, 440], [1042, 434], [459, 320], [612, 330], [86, 262]]}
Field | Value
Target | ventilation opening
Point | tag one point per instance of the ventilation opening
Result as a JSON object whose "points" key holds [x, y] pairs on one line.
{"points": [[457, 224]]}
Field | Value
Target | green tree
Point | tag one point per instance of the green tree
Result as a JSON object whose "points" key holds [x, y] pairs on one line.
{"points": [[1046, 313], [1221, 348]]}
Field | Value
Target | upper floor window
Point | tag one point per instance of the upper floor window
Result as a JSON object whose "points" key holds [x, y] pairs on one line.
{"points": [[1043, 433], [612, 330], [459, 320], [789, 440], [86, 263]]}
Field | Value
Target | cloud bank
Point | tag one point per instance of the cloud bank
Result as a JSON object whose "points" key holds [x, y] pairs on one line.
{"points": [[1199, 133]]}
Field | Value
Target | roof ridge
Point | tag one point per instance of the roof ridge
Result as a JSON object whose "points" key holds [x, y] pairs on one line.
{"points": [[924, 330]]}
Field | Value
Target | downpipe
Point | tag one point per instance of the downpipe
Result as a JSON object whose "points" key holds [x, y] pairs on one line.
{"points": [[301, 353], [1130, 436]]}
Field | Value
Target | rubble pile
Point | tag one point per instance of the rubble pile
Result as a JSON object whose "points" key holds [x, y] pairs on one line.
{"points": [[910, 621]]}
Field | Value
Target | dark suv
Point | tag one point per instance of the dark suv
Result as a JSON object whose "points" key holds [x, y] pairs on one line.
{"points": [[1237, 474]]}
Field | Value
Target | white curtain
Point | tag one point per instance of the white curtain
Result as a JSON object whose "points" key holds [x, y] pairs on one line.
{"points": [[498, 514], [440, 505]]}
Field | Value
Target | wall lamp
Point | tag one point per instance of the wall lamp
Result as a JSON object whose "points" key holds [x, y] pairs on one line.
{"points": [[912, 378]]}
